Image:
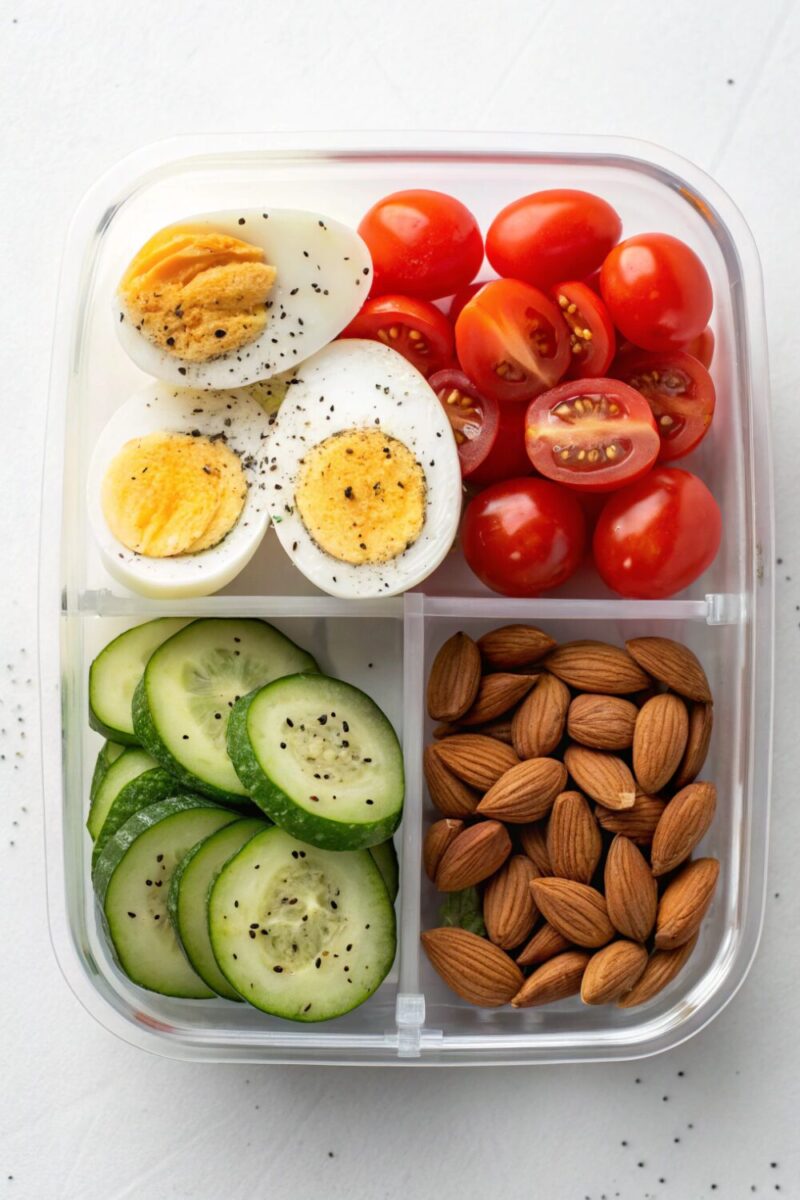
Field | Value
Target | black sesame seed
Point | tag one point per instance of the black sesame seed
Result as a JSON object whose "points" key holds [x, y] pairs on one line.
{"points": [[278, 970]]}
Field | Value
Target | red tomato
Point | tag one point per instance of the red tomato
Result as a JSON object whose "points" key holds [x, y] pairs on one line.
{"points": [[657, 291], [702, 347], [422, 243], [512, 341], [680, 393], [592, 434], [523, 536], [490, 437], [591, 334], [657, 536], [461, 298], [560, 234], [415, 328]]}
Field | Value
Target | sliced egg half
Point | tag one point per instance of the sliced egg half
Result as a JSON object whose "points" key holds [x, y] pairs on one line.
{"points": [[363, 479], [239, 421], [224, 299]]}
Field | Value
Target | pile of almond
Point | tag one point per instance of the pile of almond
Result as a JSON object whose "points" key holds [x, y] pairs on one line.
{"points": [[566, 779]]}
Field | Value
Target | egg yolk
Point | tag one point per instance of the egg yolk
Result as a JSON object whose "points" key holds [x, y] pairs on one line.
{"points": [[361, 496], [166, 494], [196, 294]]}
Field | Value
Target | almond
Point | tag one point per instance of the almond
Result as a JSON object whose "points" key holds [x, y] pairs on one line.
{"points": [[496, 695], [476, 970], [631, 891], [701, 722], [612, 972], [476, 759], [574, 841], [577, 911], [597, 667], [662, 967], [525, 792], [513, 646], [602, 722], [659, 741], [554, 980], [538, 724], [500, 729], [454, 678], [545, 943], [437, 839], [474, 855], [673, 664], [508, 906], [684, 822], [533, 838], [685, 902], [604, 777], [450, 794], [638, 823]]}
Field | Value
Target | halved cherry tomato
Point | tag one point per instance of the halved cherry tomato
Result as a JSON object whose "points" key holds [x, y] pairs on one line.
{"points": [[702, 347], [591, 434], [423, 243], [461, 298], [490, 436], [680, 393], [512, 341], [591, 333], [415, 328]]}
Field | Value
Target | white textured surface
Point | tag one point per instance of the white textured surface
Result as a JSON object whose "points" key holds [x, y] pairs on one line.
{"points": [[81, 84]]}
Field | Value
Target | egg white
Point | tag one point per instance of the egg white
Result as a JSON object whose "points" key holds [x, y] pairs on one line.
{"points": [[324, 273]]}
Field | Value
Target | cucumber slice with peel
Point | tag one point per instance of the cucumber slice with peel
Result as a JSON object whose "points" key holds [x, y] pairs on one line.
{"points": [[115, 673], [147, 788], [109, 753], [385, 857], [126, 767]]}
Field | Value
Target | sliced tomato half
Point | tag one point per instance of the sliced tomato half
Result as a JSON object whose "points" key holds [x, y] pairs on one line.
{"points": [[490, 437], [592, 342], [415, 328], [680, 393]]}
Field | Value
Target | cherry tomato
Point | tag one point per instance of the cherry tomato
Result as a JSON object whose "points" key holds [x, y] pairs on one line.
{"points": [[415, 328], [592, 434], [680, 393], [422, 243], [512, 341], [523, 536], [553, 235], [591, 334], [490, 437], [702, 347], [657, 536], [461, 298], [657, 291]]}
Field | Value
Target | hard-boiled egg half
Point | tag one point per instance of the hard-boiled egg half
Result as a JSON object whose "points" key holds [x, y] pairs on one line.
{"points": [[224, 299], [363, 480], [175, 490]]}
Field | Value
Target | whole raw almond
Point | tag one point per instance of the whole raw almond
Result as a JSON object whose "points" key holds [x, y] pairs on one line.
{"points": [[631, 891], [497, 693], [638, 823], [597, 667], [438, 837], [673, 664], [574, 841], [685, 902], [601, 722], [659, 741], [476, 759], [451, 795], [612, 972], [454, 678], [604, 777], [525, 792], [513, 646], [701, 723], [662, 967], [473, 967], [546, 943], [576, 910], [474, 855], [509, 910], [684, 822], [556, 979], [538, 724], [533, 839]]}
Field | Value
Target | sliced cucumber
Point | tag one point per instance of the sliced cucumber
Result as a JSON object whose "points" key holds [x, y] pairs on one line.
{"points": [[147, 788], [188, 898], [190, 684], [132, 879], [321, 759], [115, 673], [300, 932], [109, 753], [385, 857], [128, 766]]}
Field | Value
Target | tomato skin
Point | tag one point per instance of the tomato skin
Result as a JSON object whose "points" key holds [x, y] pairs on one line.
{"points": [[462, 298], [657, 291], [508, 457], [423, 243], [490, 437], [680, 393], [405, 316], [523, 536], [552, 235], [583, 310], [658, 536], [702, 347]]}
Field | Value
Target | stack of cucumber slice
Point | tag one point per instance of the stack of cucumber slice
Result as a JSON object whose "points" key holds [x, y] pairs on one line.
{"points": [[242, 811]]}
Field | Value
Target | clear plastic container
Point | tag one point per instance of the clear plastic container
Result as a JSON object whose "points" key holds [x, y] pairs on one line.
{"points": [[386, 646]]}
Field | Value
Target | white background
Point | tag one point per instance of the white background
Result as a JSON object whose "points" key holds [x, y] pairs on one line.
{"points": [[82, 84]]}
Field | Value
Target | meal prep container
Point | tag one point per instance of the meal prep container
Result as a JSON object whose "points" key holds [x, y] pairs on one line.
{"points": [[387, 646]]}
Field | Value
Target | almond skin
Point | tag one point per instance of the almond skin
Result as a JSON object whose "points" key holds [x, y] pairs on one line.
{"points": [[685, 902], [476, 970], [597, 667], [612, 972], [438, 837], [454, 679], [673, 664], [533, 839], [496, 695], [556, 979], [638, 823], [602, 722], [662, 967], [604, 777], [513, 646], [538, 724], [526, 792], [684, 822], [701, 723], [477, 760], [659, 741], [474, 855], [451, 795], [577, 911], [509, 910], [631, 891], [574, 841], [546, 943]]}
